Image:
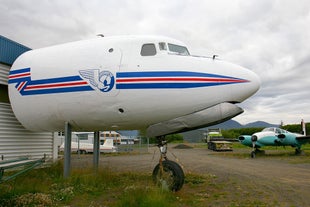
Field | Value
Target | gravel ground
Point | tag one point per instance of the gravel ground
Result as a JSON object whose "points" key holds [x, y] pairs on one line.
{"points": [[272, 176]]}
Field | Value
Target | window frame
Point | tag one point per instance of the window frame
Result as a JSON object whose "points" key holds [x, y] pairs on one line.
{"points": [[162, 46], [148, 53], [177, 52]]}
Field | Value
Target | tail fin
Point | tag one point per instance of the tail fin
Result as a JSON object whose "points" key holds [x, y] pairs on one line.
{"points": [[303, 127], [108, 143]]}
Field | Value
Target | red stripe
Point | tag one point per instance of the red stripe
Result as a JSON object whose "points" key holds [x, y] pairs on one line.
{"points": [[129, 80], [233, 80], [57, 85], [21, 86], [19, 75]]}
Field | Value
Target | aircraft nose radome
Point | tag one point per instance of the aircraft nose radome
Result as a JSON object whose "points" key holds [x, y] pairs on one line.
{"points": [[245, 90], [254, 82]]}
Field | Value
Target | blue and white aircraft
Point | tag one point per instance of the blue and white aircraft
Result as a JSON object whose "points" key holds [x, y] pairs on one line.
{"points": [[127, 82], [274, 136]]}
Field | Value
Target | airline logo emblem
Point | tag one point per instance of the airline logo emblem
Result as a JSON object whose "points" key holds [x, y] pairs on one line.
{"points": [[104, 81]]}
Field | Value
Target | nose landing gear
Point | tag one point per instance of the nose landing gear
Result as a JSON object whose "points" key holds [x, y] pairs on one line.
{"points": [[167, 174]]}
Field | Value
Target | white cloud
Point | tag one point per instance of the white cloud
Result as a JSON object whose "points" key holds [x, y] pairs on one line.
{"points": [[271, 37]]}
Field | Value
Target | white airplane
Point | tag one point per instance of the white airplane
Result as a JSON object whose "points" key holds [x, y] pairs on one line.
{"points": [[127, 82]]}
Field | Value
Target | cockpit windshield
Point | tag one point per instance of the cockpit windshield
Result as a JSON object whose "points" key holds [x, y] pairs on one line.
{"points": [[270, 129], [178, 49], [276, 130]]}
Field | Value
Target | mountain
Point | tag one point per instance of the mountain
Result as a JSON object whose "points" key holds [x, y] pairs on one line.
{"points": [[198, 135], [259, 124], [232, 124]]}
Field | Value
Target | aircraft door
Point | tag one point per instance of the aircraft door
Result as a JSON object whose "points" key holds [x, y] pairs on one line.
{"points": [[110, 65]]}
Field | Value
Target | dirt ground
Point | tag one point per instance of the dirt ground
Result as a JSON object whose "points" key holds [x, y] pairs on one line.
{"points": [[276, 177]]}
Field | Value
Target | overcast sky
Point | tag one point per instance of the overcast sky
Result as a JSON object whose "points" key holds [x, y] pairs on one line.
{"points": [[271, 37]]}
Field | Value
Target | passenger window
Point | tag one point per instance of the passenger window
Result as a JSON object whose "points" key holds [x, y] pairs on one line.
{"points": [[148, 50], [162, 46]]}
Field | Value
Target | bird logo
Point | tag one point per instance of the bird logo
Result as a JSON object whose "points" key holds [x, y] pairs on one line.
{"points": [[102, 80]]}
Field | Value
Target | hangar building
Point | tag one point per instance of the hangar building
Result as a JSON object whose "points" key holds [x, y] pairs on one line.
{"points": [[15, 140]]}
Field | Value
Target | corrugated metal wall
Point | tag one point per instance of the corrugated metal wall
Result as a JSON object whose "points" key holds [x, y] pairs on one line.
{"points": [[16, 141], [4, 72], [10, 50]]}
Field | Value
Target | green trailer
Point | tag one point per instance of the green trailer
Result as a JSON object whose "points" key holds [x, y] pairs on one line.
{"points": [[220, 145], [216, 141]]}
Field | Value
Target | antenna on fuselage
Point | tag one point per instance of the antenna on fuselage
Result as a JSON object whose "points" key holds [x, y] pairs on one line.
{"points": [[214, 56], [100, 35]]}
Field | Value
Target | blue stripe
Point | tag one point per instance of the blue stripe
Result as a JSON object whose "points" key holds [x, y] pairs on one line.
{"points": [[18, 80], [57, 90], [154, 85], [56, 80], [168, 74], [19, 84], [168, 85], [25, 70]]}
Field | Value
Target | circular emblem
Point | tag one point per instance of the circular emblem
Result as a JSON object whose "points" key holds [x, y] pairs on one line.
{"points": [[106, 81]]}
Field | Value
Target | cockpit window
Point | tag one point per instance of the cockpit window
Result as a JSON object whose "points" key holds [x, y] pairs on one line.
{"points": [[270, 129], [162, 46], [276, 130], [180, 50], [148, 50]]}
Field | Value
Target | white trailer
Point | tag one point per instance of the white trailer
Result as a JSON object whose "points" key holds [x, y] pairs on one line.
{"points": [[84, 148]]}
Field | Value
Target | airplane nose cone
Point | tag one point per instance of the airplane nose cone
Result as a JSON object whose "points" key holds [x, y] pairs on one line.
{"points": [[249, 87], [254, 82]]}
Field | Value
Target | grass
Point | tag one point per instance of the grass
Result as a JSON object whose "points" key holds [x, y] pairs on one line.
{"points": [[47, 187], [278, 152]]}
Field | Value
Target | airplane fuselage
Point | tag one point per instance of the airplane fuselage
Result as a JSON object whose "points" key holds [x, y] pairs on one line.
{"points": [[120, 83]]}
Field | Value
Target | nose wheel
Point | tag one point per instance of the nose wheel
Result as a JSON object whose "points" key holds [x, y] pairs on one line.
{"points": [[167, 174]]}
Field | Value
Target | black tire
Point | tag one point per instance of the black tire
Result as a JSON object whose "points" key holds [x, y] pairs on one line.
{"points": [[171, 178]]}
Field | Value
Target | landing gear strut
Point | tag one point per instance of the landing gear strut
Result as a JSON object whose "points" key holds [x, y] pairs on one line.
{"points": [[298, 151], [167, 174], [256, 151], [253, 153]]}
